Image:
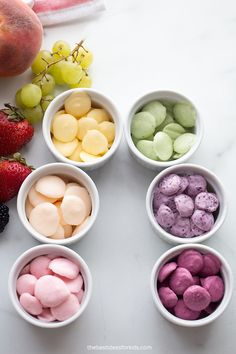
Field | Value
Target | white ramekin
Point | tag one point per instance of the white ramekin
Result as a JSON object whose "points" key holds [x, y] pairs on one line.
{"points": [[73, 174], [136, 107], [212, 180], [226, 273], [57, 250], [99, 100]]}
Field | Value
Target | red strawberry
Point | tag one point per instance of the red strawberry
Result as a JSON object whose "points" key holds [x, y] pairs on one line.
{"points": [[13, 171], [15, 130]]}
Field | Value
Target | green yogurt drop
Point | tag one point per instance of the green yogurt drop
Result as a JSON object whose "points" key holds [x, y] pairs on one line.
{"points": [[143, 125], [157, 110], [164, 130], [146, 147], [185, 114]]}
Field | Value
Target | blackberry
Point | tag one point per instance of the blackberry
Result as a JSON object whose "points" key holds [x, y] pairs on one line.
{"points": [[4, 216]]}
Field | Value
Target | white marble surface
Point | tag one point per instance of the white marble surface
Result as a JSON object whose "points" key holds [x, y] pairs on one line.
{"points": [[184, 45]]}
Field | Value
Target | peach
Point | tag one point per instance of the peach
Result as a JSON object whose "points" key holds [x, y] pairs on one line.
{"points": [[20, 37]]}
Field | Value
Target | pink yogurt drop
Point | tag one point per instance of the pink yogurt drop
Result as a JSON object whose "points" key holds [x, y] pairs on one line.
{"points": [[39, 266], [64, 267], [67, 309]]}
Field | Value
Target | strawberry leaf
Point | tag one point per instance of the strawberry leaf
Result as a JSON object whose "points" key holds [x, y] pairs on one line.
{"points": [[14, 114]]}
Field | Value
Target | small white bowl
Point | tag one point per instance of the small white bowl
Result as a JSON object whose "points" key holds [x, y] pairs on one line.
{"points": [[213, 182], [41, 250], [137, 106], [99, 100], [226, 273], [73, 174]]}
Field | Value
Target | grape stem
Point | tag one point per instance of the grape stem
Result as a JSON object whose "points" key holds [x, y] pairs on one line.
{"points": [[74, 54]]}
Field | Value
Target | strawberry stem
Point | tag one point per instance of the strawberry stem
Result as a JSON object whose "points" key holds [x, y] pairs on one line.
{"points": [[16, 158], [14, 114]]}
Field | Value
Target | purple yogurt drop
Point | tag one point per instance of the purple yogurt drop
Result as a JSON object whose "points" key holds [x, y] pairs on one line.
{"points": [[211, 265], [183, 184], [207, 201], [191, 260], [165, 216], [197, 184], [166, 270], [180, 280], [211, 307], [196, 298], [182, 311], [159, 199], [203, 220], [184, 205], [168, 297], [170, 184], [181, 227], [195, 230], [215, 286]]}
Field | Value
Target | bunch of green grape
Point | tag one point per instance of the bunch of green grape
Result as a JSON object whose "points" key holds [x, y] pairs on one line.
{"points": [[62, 66]]}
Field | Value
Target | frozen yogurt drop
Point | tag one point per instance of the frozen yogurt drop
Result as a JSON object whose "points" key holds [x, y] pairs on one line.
{"points": [[81, 132], [44, 218], [190, 285], [164, 130], [51, 288], [183, 206], [168, 297], [58, 208]]}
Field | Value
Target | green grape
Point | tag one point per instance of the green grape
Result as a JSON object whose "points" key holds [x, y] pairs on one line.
{"points": [[86, 59], [71, 72], [18, 100], [74, 85], [77, 84], [41, 60], [45, 82], [60, 49], [45, 101], [33, 115], [56, 72], [30, 95], [86, 81]]}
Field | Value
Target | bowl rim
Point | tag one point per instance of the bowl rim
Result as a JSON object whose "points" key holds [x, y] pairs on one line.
{"points": [[14, 271], [27, 184], [180, 240], [115, 116], [127, 125], [223, 304]]}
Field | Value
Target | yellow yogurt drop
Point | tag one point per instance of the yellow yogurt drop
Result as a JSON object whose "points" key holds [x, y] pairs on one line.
{"points": [[85, 157], [59, 234], [85, 124], [78, 228], [36, 198], [94, 143], [62, 111], [99, 114], [76, 154], [66, 149], [28, 207], [61, 219], [78, 104], [65, 127], [107, 129]]}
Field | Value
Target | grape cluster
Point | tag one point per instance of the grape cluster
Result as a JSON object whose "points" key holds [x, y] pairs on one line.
{"points": [[62, 66]]}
